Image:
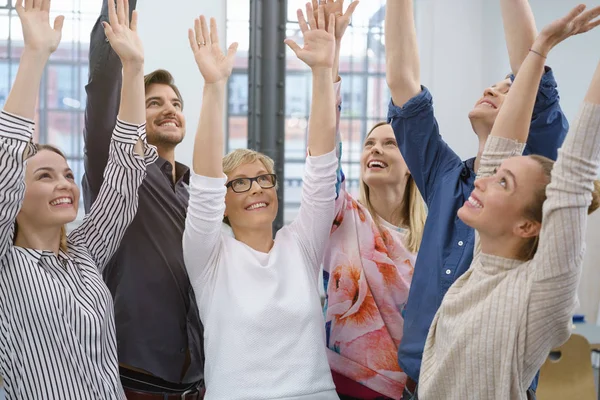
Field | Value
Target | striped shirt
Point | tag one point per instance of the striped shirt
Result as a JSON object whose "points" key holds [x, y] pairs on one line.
{"points": [[57, 328]]}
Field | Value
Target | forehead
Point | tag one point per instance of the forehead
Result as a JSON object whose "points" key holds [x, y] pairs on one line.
{"points": [[46, 159], [503, 84], [526, 170], [248, 170], [160, 90], [382, 132]]}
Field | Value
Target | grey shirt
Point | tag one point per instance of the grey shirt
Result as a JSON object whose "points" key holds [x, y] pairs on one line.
{"points": [[156, 316]]}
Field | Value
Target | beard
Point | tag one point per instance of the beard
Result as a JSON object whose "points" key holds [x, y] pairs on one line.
{"points": [[160, 139]]}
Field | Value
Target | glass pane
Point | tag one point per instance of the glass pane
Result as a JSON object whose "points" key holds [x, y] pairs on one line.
{"points": [[353, 95], [61, 87], [297, 95], [83, 80], [63, 131], [4, 29], [238, 133], [238, 10], [238, 94], [378, 97], [4, 81]]}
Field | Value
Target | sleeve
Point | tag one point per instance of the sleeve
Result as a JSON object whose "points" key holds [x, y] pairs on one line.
{"points": [[427, 155], [102, 106], [549, 125], [116, 205], [202, 237], [317, 209], [496, 150], [15, 140], [556, 266]]}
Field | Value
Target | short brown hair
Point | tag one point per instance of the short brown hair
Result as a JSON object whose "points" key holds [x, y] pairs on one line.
{"points": [[162, 77], [535, 209]]}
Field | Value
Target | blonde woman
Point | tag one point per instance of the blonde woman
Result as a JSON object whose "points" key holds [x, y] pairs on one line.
{"points": [[368, 265], [258, 297]]}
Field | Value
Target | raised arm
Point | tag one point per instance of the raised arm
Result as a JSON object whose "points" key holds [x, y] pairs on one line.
{"points": [[519, 30], [116, 204], [102, 105], [403, 70], [16, 120], [207, 187]]}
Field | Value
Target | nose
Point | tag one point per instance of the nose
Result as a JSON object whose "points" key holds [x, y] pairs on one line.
{"points": [[376, 149], [169, 109], [490, 92], [255, 188], [481, 183], [63, 183]]}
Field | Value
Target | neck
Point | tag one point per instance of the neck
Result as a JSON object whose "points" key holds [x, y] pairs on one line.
{"points": [[257, 239], [386, 200], [169, 155], [506, 247], [482, 130], [38, 238]]}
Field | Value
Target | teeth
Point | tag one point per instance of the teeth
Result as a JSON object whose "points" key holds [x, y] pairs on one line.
{"points": [[487, 105], [257, 205], [475, 203], [376, 163], [64, 200], [169, 124]]}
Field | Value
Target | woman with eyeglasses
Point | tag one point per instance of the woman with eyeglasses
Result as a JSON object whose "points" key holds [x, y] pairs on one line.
{"points": [[258, 298]]}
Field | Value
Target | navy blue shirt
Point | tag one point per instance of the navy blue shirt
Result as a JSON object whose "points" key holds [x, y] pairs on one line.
{"points": [[446, 182]]}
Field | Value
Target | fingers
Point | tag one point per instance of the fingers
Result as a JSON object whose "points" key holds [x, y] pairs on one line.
{"points": [[591, 26], [35, 4], [193, 40], [312, 22], [205, 32], [45, 5], [574, 13], [214, 33], [126, 4], [112, 13], [134, 21], [58, 23], [331, 26], [198, 31], [587, 16], [351, 9], [28, 5], [19, 6], [231, 51], [302, 21], [321, 14], [315, 5], [121, 17], [293, 46], [108, 31]]}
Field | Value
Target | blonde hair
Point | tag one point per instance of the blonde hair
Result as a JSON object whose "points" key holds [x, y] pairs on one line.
{"points": [[63, 229], [246, 156], [411, 212]]}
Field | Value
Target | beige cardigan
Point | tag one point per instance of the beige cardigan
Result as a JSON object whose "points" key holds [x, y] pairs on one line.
{"points": [[498, 322]]}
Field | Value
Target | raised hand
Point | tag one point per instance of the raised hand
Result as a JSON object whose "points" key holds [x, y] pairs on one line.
{"points": [[575, 22], [342, 19], [38, 35], [213, 64], [319, 42], [121, 34]]}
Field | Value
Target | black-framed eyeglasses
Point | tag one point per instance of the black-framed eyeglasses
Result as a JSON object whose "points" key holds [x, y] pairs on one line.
{"points": [[241, 185]]}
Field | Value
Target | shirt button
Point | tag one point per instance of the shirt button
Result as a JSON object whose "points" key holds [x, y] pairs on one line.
{"points": [[461, 243], [448, 272]]}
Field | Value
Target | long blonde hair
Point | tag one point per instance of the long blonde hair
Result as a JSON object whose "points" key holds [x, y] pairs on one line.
{"points": [[410, 212]]}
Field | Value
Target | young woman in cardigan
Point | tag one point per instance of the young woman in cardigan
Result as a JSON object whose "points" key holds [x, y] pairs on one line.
{"points": [[499, 321], [369, 263], [56, 314], [258, 298]]}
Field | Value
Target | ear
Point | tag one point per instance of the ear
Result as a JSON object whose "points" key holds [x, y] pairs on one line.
{"points": [[528, 229]]}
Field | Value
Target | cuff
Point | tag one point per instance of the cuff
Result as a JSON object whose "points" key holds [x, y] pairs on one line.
{"points": [[324, 159], [205, 182], [16, 127], [129, 134], [419, 103]]}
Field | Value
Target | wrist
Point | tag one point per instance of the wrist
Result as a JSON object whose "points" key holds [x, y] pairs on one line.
{"points": [[133, 66], [322, 71], [35, 55], [541, 47], [218, 86]]}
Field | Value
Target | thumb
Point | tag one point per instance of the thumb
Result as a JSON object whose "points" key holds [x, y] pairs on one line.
{"points": [[58, 23], [108, 31], [292, 45], [351, 9], [232, 51]]}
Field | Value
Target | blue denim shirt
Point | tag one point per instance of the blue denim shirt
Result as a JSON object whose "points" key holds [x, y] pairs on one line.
{"points": [[446, 182]]}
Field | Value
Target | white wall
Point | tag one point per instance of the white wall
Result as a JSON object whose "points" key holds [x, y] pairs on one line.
{"points": [[463, 51], [163, 29]]}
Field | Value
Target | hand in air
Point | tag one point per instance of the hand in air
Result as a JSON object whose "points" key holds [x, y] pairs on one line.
{"points": [[121, 34], [213, 64], [319, 42], [38, 35], [342, 19], [576, 22]]}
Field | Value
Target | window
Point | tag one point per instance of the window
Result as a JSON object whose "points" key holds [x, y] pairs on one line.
{"points": [[365, 95], [61, 104]]}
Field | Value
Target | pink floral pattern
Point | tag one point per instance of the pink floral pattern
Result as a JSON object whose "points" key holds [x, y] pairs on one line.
{"points": [[367, 277]]}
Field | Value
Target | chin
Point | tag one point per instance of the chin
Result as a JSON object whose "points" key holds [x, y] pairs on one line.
{"points": [[465, 216]]}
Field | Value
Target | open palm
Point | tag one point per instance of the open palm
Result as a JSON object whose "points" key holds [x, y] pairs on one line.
{"points": [[574, 23], [214, 65], [35, 21], [121, 34], [319, 43], [336, 8]]}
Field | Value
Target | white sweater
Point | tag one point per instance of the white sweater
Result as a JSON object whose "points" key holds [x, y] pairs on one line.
{"points": [[499, 320], [263, 323]]}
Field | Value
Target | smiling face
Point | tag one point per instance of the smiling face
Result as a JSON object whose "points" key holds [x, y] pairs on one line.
{"points": [[381, 162], [165, 123], [255, 208], [498, 206], [487, 107], [51, 195]]}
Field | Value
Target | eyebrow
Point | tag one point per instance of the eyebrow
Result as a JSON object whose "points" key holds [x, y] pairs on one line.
{"points": [[174, 99], [259, 173], [51, 170]]}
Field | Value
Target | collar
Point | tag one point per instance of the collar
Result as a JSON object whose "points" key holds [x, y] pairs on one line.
{"points": [[37, 255], [182, 171]]}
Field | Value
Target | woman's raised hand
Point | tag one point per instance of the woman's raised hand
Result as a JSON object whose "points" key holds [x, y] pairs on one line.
{"points": [[122, 34], [319, 39], [38, 35], [213, 64]]}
